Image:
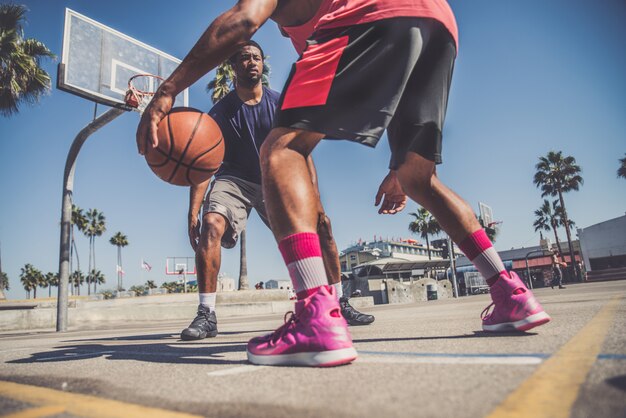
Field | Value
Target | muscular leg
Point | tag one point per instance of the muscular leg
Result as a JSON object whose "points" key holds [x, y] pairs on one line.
{"points": [[420, 182], [209, 253], [515, 307], [290, 198], [315, 334], [208, 260], [329, 249]]}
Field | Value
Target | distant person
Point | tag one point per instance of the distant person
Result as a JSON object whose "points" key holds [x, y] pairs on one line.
{"points": [[245, 116], [557, 271]]}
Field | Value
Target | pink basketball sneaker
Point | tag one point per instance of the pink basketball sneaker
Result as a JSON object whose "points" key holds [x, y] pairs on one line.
{"points": [[316, 335], [514, 307]]}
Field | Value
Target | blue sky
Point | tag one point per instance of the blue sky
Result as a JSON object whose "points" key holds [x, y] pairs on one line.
{"points": [[531, 76]]}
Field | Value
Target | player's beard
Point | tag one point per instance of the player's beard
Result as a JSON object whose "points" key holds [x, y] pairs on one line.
{"points": [[248, 81]]}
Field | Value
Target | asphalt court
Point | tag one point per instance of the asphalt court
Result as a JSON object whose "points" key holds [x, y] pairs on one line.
{"points": [[427, 359]]}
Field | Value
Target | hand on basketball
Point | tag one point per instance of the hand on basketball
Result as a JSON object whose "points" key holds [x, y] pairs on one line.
{"points": [[156, 110], [392, 196]]}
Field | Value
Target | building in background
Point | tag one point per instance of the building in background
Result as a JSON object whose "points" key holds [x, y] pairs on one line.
{"points": [[278, 284], [396, 249], [603, 245]]}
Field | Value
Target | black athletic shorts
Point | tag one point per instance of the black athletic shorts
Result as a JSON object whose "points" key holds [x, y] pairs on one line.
{"points": [[355, 82]]}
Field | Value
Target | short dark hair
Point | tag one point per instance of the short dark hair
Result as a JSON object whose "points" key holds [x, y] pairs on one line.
{"points": [[233, 57]]}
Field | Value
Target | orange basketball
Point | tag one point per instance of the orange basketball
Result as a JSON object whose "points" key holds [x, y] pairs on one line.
{"points": [[191, 147]]}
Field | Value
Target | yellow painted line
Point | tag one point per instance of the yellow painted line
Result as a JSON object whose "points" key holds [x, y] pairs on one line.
{"points": [[44, 411], [83, 405], [552, 390]]}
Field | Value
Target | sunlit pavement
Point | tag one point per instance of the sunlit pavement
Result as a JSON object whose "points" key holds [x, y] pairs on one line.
{"points": [[429, 359]]}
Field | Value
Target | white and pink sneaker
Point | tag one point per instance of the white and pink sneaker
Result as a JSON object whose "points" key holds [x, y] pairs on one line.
{"points": [[514, 307], [315, 335]]}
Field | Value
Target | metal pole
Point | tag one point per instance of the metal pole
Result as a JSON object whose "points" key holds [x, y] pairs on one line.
{"points": [[453, 266], [530, 280], [66, 210]]}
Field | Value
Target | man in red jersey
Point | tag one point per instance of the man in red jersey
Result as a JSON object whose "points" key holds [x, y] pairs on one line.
{"points": [[366, 66]]}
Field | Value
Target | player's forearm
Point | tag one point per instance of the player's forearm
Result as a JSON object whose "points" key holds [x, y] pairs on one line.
{"points": [[196, 197], [221, 40]]}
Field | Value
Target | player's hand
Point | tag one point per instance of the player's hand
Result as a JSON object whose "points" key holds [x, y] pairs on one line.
{"points": [[194, 232], [156, 110], [392, 196]]}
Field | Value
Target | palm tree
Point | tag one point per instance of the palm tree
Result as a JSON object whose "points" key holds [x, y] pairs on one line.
{"points": [[120, 241], [169, 286], [621, 171], [96, 226], [78, 219], [150, 284], [31, 278], [4, 284], [77, 278], [21, 77], [222, 84], [51, 279], [96, 278], [243, 263], [424, 224], [557, 175], [547, 219]]}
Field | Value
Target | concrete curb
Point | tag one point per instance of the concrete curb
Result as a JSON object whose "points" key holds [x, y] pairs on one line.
{"points": [[92, 314]]}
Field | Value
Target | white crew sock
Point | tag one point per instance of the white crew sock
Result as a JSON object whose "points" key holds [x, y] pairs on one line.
{"points": [[208, 300], [338, 289]]}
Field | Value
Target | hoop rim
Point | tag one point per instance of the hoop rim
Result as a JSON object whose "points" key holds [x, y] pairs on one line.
{"points": [[135, 89]]}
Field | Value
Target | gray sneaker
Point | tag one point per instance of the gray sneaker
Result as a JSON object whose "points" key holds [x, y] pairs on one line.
{"points": [[203, 326], [352, 316]]}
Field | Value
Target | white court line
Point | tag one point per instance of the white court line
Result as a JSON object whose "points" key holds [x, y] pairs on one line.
{"points": [[236, 370], [522, 360]]}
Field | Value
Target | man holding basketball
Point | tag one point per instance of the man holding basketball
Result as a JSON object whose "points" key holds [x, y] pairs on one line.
{"points": [[366, 66], [245, 117]]}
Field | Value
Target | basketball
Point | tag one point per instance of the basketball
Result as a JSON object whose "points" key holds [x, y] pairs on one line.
{"points": [[190, 150]]}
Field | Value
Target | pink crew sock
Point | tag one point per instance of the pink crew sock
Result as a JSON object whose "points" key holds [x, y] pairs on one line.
{"points": [[478, 248], [303, 256]]}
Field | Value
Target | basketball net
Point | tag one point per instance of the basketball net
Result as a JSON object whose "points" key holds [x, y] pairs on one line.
{"points": [[141, 89]]}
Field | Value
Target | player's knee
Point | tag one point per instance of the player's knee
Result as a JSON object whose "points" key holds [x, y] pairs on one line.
{"points": [[418, 185], [212, 231]]}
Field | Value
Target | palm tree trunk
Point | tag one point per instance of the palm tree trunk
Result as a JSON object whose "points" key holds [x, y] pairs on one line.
{"points": [[572, 256], [428, 247], [243, 263], [558, 243]]}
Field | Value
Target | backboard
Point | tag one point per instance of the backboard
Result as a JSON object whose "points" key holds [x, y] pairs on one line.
{"points": [[486, 214], [98, 61], [178, 266]]}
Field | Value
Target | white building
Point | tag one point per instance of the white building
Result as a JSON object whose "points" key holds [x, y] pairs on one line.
{"points": [[603, 245], [278, 284], [225, 283], [398, 249]]}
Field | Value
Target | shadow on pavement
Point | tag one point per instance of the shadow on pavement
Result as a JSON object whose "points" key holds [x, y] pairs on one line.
{"points": [[618, 382], [476, 334], [155, 353], [174, 336]]}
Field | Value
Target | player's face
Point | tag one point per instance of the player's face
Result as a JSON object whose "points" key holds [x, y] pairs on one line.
{"points": [[249, 65]]}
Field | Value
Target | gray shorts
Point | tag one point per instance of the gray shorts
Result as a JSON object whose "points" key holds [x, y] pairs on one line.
{"points": [[234, 198]]}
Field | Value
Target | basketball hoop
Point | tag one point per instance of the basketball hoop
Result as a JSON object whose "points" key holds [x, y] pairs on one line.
{"points": [[141, 88]]}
